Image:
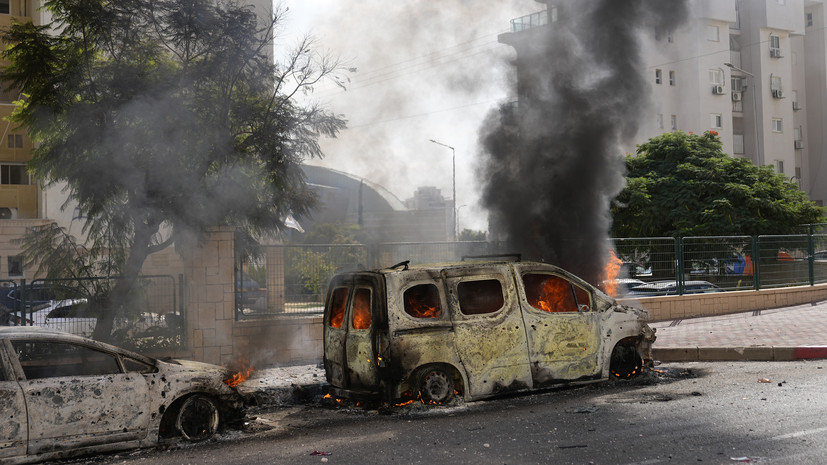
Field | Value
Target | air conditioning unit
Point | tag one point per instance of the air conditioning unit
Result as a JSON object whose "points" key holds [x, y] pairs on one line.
{"points": [[796, 106], [717, 90], [8, 213], [776, 93], [775, 52], [736, 96], [799, 144]]}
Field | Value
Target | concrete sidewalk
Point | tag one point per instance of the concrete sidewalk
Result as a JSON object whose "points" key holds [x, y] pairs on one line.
{"points": [[782, 334]]}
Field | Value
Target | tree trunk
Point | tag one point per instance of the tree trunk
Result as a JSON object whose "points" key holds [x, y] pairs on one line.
{"points": [[124, 285]]}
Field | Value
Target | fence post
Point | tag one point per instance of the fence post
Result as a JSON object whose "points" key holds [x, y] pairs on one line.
{"points": [[810, 252], [756, 262], [23, 303], [679, 264]]}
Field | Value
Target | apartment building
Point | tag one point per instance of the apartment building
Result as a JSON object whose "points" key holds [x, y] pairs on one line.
{"points": [[755, 71]]}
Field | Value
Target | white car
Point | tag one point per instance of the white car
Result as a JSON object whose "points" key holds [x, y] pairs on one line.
{"points": [[71, 316], [65, 396]]}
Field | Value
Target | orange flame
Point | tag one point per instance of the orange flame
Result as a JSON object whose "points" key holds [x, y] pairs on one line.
{"points": [[612, 270], [242, 369], [361, 309]]}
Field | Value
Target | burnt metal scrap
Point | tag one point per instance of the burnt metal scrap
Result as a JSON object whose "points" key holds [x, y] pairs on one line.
{"points": [[475, 330], [65, 396]]}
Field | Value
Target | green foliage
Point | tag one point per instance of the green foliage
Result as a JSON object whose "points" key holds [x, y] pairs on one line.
{"points": [[683, 185], [164, 117], [470, 235]]}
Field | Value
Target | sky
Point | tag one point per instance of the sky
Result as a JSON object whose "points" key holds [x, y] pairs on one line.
{"points": [[424, 70]]}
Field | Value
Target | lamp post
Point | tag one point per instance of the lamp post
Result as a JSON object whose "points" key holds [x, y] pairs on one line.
{"points": [[759, 159], [454, 184]]}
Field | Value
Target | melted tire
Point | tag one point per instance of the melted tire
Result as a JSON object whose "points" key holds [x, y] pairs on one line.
{"points": [[625, 363], [197, 419], [436, 385]]}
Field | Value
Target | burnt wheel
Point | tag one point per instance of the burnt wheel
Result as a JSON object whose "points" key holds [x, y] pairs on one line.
{"points": [[197, 418], [436, 385], [626, 362]]}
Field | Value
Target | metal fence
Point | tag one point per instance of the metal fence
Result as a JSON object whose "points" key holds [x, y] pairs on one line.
{"points": [[152, 318], [292, 279]]}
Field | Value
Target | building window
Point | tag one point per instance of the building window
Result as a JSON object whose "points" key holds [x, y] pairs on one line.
{"points": [[775, 87], [738, 143], [4, 7], [716, 121], [775, 46], [779, 166], [777, 125], [15, 266], [553, 15], [797, 134], [671, 77], [658, 76], [14, 174], [712, 33], [674, 122], [716, 77], [781, 2], [15, 141], [809, 19], [669, 37], [660, 120]]}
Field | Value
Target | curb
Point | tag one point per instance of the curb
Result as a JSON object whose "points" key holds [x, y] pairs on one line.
{"points": [[752, 354]]}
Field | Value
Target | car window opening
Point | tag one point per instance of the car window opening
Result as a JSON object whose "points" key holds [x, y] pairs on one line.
{"points": [[422, 301], [55, 359], [361, 309], [480, 297], [337, 307], [554, 294]]}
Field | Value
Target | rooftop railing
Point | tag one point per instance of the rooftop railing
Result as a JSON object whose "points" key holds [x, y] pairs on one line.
{"points": [[528, 21]]}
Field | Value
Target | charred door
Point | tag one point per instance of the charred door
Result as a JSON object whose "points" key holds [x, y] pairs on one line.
{"points": [[350, 335], [77, 396], [488, 329], [563, 333]]}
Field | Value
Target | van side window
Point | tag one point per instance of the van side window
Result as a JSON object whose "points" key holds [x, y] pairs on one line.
{"points": [[480, 297], [361, 309], [554, 294], [422, 301], [338, 301]]}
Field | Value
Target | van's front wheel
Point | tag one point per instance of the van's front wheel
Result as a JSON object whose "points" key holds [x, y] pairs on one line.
{"points": [[436, 385]]}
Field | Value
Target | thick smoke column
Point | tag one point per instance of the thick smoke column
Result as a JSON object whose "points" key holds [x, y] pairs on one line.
{"points": [[554, 164]]}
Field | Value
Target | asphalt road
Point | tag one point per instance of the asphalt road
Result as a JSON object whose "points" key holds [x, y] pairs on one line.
{"points": [[709, 413]]}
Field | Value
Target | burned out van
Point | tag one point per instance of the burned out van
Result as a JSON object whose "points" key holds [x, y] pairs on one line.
{"points": [[474, 330]]}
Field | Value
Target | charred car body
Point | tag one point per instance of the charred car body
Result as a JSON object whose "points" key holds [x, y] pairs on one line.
{"points": [[63, 395], [474, 330]]}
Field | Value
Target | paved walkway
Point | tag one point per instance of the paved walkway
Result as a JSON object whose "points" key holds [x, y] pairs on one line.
{"points": [[788, 333]]}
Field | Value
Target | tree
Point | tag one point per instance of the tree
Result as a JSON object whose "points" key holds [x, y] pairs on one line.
{"points": [[683, 185], [471, 235], [166, 116]]}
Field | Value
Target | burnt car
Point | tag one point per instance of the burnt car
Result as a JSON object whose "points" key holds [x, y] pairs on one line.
{"points": [[474, 330], [64, 395]]}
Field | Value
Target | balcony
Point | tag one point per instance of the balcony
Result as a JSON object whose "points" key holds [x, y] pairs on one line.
{"points": [[529, 21]]}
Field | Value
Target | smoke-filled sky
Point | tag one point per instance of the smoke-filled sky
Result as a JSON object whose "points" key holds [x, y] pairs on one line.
{"points": [[425, 70]]}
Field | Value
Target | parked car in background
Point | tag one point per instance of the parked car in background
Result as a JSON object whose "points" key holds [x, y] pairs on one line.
{"points": [[621, 286], [670, 287], [475, 330], [66, 396], [70, 315]]}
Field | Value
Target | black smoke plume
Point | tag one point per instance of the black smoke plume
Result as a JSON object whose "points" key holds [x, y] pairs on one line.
{"points": [[554, 162]]}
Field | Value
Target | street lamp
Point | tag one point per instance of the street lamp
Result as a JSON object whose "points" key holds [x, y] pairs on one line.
{"points": [[454, 193], [759, 159]]}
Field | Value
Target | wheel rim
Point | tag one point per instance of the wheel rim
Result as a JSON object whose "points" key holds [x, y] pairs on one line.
{"points": [[436, 386], [197, 419]]}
